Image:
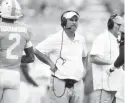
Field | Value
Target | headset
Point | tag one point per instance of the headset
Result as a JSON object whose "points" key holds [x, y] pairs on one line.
{"points": [[64, 20], [64, 60], [111, 22]]}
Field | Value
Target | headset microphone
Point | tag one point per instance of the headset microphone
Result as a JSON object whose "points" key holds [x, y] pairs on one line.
{"points": [[68, 28]]}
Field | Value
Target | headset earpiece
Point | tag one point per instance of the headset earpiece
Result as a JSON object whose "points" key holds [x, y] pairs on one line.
{"points": [[63, 22], [111, 22]]}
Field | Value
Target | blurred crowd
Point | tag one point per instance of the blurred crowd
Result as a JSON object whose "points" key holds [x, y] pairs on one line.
{"points": [[45, 7], [93, 15]]}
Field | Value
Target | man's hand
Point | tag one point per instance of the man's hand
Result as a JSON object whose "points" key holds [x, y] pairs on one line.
{"points": [[53, 68], [109, 71], [112, 69]]}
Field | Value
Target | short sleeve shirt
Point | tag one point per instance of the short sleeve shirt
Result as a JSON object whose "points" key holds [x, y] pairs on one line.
{"points": [[105, 46], [72, 51]]}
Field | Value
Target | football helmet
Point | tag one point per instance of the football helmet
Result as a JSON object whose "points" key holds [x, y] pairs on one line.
{"points": [[10, 9]]}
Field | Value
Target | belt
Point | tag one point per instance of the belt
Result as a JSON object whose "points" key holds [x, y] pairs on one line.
{"points": [[69, 83]]}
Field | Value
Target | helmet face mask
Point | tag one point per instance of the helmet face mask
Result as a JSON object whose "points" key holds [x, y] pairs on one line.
{"points": [[10, 9]]}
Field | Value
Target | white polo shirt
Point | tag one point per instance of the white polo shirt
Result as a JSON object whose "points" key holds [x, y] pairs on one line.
{"points": [[72, 52], [105, 46]]}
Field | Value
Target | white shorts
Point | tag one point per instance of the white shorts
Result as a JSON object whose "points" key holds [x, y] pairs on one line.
{"points": [[9, 78], [9, 86]]}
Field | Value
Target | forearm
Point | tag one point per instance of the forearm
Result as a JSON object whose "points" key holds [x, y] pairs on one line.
{"points": [[99, 60], [24, 69], [84, 60], [42, 57], [120, 60], [27, 59]]}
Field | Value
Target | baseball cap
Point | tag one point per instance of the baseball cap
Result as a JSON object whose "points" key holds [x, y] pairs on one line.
{"points": [[70, 15], [118, 20], [122, 29]]}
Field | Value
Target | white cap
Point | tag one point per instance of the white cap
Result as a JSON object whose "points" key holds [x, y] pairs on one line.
{"points": [[70, 15], [118, 20], [122, 28]]}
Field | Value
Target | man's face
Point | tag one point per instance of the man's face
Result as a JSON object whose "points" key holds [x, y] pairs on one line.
{"points": [[72, 23], [116, 27], [122, 29], [117, 23]]}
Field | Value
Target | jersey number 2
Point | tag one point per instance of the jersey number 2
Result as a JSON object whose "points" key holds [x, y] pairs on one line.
{"points": [[13, 36]]}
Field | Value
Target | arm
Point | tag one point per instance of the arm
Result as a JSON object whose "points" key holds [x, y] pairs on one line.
{"points": [[42, 57], [29, 57], [84, 60], [45, 59], [120, 60], [29, 53], [84, 53], [25, 71], [97, 53], [98, 60], [46, 47]]}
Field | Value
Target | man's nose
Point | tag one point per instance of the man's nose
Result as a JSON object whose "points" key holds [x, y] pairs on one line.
{"points": [[74, 22], [119, 27]]}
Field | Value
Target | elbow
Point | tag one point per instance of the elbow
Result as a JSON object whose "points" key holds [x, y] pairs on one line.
{"points": [[29, 59], [36, 52], [32, 59], [91, 59]]}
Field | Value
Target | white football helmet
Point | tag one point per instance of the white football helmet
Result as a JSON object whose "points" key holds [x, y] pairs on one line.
{"points": [[10, 9]]}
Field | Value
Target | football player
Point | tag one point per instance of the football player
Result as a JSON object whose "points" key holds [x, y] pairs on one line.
{"points": [[14, 39]]}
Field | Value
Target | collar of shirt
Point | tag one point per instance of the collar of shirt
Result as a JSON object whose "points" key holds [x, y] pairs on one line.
{"points": [[76, 38], [111, 35]]}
